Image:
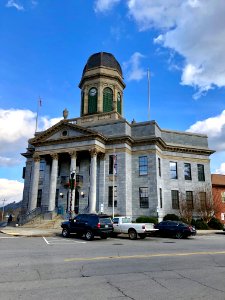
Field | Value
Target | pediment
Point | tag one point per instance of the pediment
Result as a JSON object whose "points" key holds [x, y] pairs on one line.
{"points": [[62, 132]]}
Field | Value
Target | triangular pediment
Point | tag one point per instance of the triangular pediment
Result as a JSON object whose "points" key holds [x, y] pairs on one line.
{"points": [[63, 131]]}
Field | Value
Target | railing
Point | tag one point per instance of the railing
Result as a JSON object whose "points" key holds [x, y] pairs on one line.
{"points": [[29, 216]]}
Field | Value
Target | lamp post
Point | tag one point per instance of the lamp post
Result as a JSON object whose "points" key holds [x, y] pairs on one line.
{"points": [[72, 185]]}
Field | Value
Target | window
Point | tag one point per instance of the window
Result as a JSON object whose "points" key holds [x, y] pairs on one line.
{"points": [[119, 106], [187, 171], [107, 100], [143, 197], [202, 198], [113, 164], [223, 197], [110, 196], [57, 198], [160, 197], [82, 103], [173, 170], [189, 200], [159, 166], [201, 173], [39, 196], [175, 199], [143, 165], [42, 171], [92, 101]]}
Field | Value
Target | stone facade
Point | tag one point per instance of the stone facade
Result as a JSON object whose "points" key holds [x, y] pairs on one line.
{"points": [[103, 150]]}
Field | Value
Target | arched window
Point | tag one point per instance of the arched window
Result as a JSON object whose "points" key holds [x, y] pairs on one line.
{"points": [[92, 101], [82, 103], [107, 100], [119, 105]]}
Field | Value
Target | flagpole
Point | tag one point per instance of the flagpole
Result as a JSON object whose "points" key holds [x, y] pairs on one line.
{"points": [[113, 182], [38, 105], [148, 75]]}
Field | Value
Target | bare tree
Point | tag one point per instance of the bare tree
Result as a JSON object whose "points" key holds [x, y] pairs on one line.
{"points": [[185, 208], [204, 205]]}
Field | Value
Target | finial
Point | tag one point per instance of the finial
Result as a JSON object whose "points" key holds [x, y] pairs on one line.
{"points": [[65, 113]]}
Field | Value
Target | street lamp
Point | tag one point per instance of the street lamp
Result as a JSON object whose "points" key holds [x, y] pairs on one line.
{"points": [[72, 185]]}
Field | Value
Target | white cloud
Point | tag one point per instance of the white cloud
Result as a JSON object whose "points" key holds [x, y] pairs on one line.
{"points": [[221, 169], [195, 29], [214, 128], [133, 69], [10, 190], [16, 127], [15, 4], [104, 5]]}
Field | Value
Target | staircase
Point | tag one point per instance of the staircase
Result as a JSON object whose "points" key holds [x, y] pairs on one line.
{"points": [[40, 222]]}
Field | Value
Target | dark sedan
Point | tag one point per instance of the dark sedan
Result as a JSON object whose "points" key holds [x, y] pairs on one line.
{"points": [[175, 229]]}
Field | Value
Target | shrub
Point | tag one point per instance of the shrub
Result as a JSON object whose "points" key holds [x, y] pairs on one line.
{"points": [[146, 219], [214, 223], [171, 217], [200, 224]]}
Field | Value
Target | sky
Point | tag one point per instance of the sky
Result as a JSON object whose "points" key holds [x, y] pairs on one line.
{"points": [[44, 45]]}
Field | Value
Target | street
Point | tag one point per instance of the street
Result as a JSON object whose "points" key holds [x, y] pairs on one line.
{"points": [[116, 268]]}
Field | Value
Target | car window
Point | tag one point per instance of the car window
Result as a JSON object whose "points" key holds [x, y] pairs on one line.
{"points": [[116, 220], [105, 220], [126, 220]]}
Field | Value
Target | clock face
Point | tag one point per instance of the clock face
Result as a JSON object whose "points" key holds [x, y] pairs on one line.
{"points": [[92, 92]]}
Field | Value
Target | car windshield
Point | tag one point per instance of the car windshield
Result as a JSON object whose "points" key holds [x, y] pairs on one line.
{"points": [[105, 220]]}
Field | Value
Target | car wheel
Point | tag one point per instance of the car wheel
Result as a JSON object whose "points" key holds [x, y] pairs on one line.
{"points": [[132, 234], [65, 232], [142, 236], [178, 235], [89, 235]]}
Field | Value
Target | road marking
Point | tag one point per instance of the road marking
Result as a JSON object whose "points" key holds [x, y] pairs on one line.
{"points": [[142, 256], [62, 241], [45, 240]]}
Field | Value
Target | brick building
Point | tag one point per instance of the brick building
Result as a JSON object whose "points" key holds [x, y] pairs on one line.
{"points": [[218, 192]]}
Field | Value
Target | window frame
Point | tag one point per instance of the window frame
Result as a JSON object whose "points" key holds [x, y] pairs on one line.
{"points": [[173, 171], [143, 165], [189, 200], [144, 200], [187, 171], [110, 196], [113, 162], [175, 199], [201, 172]]}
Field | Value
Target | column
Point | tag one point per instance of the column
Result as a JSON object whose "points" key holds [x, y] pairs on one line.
{"points": [[35, 181], [93, 174], [73, 167], [53, 182], [102, 199]]}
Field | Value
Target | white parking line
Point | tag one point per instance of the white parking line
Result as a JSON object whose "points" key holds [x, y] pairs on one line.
{"points": [[62, 241]]}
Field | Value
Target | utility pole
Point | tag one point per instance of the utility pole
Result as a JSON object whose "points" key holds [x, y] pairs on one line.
{"points": [[3, 209]]}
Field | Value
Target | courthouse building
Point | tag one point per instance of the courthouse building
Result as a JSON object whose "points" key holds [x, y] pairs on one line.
{"points": [[119, 167]]}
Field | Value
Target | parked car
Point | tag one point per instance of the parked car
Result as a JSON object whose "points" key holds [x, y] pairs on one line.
{"points": [[124, 225], [90, 225], [175, 229]]}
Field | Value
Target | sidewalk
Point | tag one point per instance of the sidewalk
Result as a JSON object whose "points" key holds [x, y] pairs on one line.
{"points": [[35, 232], [32, 232]]}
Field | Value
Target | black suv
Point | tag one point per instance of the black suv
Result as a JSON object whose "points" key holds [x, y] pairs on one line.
{"points": [[89, 225]]}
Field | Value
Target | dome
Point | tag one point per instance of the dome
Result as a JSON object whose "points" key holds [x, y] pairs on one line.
{"points": [[102, 59]]}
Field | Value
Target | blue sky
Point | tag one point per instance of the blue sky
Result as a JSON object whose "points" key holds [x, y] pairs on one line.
{"points": [[46, 43]]}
